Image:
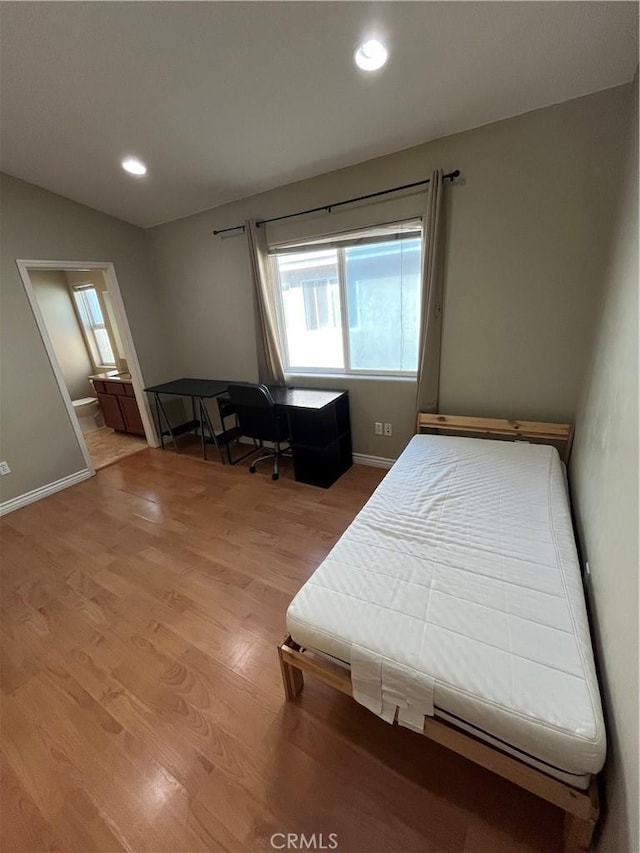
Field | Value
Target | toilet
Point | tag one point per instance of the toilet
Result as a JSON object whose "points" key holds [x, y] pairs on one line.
{"points": [[88, 413]]}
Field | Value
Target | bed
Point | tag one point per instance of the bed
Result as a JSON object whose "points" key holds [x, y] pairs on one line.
{"points": [[453, 605]]}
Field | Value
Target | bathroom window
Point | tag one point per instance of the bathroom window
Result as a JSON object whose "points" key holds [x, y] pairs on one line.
{"points": [[95, 330]]}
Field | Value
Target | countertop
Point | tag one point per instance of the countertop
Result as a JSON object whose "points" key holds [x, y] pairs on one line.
{"points": [[113, 376]]}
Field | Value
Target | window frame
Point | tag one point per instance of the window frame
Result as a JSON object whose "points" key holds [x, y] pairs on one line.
{"points": [[291, 370], [88, 332]]}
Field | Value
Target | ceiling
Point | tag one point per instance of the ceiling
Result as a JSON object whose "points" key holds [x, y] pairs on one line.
{"points": [[224, 100]]}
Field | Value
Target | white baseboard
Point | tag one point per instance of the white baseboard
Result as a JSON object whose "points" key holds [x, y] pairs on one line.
{"points": [[44, 491], [358, 458], [373, 461]]}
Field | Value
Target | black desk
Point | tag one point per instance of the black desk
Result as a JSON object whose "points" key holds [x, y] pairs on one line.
{"points": [[204, 388], [199, 390], [319, 424]]}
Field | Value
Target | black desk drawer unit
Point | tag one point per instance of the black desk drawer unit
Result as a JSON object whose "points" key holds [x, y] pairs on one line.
{"points": [[321, 441]]}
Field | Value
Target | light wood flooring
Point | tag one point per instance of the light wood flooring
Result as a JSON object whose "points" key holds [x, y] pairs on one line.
{"points": [[107, 446], [141, 698]]}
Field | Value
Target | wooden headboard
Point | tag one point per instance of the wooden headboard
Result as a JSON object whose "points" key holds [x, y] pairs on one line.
{"points": [[561, 434]]}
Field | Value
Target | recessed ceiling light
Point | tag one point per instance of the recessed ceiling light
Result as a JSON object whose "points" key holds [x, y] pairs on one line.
{"points": [[371, 55], [134, 166]]}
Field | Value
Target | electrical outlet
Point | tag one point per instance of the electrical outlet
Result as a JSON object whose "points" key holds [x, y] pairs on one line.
{"points": [[388, 429], [4, 469], [378, 428]]}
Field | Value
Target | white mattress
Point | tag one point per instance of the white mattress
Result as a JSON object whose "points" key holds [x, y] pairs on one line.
{"points": [[457, 589]]}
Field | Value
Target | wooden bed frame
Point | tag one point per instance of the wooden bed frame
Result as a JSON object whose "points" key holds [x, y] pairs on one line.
{"points": [[561, 434], [581, 807]]}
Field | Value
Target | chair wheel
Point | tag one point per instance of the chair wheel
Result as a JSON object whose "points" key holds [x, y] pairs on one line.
{"points": [[252, 469], [275, 476]]}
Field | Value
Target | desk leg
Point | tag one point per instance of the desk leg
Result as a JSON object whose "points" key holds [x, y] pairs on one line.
{"points": [[160, 408], [193, 411], [201, 415], [212, 432], [160, 434]]}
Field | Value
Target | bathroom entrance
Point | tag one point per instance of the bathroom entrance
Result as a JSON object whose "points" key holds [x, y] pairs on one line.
{"points": [[81, 318]]}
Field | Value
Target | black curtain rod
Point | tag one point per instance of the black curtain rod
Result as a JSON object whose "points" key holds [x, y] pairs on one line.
{"points": [[450, 176]]}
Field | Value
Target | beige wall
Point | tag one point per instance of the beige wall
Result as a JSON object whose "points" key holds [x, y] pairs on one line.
{"points": [[54, 300], [36, 435], [528, 230], [604, 479]]}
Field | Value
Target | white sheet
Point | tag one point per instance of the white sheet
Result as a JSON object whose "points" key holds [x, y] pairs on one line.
{"points": [[460, 575]]}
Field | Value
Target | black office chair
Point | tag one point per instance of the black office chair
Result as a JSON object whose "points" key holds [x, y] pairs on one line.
{"points": [[259, 419]]}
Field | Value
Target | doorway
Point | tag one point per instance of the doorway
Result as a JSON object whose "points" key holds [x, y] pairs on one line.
{"points": [[79, 312]]}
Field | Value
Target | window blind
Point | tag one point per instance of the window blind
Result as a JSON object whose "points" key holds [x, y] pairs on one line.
{"points": [[361, 237]]}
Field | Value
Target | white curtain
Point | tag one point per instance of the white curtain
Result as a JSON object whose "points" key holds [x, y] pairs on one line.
{"points": [[270, 367], [432, 292]]}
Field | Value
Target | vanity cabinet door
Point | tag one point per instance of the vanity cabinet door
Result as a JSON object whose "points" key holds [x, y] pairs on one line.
{"points": [[111, 411], [131, 415]]}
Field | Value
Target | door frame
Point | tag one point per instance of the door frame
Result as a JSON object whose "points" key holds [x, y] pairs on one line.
{"points": [[108, 270]]}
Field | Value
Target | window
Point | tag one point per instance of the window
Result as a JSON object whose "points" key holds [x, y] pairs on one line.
{"points": [[321, 303], [95, 331], [351, 303]]}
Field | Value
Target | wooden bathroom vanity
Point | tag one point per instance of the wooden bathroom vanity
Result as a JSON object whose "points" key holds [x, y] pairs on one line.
{"points": [[118, 402]]}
